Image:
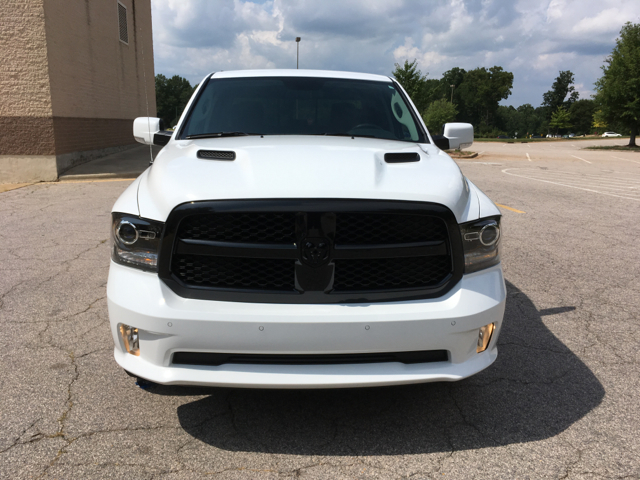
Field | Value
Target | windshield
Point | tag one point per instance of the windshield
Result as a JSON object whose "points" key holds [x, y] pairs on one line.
{"points": [[301, 106]]}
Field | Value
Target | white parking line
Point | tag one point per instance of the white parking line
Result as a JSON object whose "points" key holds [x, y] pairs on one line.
{"points": [[591, 179], [581, 159], [478, 163], [614, 182], [626, 159], [528, 157], [612, 186]]}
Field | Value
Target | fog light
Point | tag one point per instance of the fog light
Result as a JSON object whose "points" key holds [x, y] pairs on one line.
{"points": [[130, 339], [484, 337]]}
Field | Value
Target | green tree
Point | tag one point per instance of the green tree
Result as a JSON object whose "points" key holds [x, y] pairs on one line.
{"points": [[454, 77], [562, 93], [439, 113], [618, 90], [480, 92], [432, 91], [560, 119], [172, 95], [413, 82], [521, 121], [599, 121], [581, 113]]}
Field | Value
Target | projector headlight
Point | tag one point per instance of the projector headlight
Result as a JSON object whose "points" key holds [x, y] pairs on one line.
{"points": [[480, 240], [136, 241]]}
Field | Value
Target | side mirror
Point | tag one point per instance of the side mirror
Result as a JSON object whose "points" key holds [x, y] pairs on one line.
{"points": [[150, 131], [460, 135]]}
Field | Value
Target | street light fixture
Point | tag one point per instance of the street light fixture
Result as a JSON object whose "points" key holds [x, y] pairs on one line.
{"points": [[298, 51]]}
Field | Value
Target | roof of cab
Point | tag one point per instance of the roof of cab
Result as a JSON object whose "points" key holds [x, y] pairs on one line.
{"points": [[300, 73]]}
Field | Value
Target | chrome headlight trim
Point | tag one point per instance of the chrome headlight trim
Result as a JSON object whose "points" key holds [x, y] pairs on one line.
{"points": [[141, 252], [480, 253], [119, 237]]}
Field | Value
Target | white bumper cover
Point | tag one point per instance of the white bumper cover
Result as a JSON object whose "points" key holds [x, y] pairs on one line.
{"points": [[169, 323]]}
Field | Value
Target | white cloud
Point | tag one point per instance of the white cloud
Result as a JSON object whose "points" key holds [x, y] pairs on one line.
{"points": [[533, 39], [604, 22]]}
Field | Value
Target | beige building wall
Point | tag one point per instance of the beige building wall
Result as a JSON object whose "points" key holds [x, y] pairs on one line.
{"points": [[25, 95], [71, 88]]}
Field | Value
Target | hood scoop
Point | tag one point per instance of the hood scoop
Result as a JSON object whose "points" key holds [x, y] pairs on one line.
{"points": [[404, 157], [217, 155]]}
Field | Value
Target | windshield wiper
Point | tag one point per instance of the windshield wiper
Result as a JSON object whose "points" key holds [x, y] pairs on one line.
{"points": [[219, 134]]}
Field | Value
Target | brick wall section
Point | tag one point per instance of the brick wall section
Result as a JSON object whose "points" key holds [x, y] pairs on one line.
{"points": [[24, 75], [67, 83], [27, 136], [92, 73], [82, 134], [26, 127]]}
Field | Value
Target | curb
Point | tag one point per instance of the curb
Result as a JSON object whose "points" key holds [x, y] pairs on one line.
{"points": [[99, 176], [471, 155]]}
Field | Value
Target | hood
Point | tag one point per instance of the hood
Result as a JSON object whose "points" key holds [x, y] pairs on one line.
{"points": [[302, 167]]}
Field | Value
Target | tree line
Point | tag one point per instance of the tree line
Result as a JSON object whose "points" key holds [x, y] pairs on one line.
{"points": [[474, 97]]}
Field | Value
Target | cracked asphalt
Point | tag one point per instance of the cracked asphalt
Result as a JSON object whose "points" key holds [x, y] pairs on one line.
{"points": [[561, 401]]}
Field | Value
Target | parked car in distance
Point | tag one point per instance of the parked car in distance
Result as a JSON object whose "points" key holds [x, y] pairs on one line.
{"points": [[611, 134], [502, 136]]}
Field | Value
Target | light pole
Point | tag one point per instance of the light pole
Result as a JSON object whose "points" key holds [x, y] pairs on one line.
{"points": [[452, 87], [298, 51]]}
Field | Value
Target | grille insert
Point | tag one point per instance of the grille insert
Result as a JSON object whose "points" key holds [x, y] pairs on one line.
{"points": [[376, 228], [217, 359], [391, 273], [236, 273], [250, 227]]}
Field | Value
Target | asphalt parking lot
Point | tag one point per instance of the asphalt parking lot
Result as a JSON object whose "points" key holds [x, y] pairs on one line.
{"points": [[561, 401]]}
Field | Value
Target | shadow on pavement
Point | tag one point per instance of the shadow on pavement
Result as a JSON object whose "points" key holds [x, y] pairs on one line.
{"points": [[536, 389]]}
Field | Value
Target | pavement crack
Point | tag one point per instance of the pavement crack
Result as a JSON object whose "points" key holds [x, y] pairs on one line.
{"points": [[17, 440]]}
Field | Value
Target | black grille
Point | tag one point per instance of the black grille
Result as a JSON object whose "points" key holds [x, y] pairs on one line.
{"points": [[216, 155], [391, 273], [217, 359], [372, 228], [235, 273], [250, 227], [252, 250]]}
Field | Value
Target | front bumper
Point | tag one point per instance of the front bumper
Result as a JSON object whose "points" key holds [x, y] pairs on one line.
{"points": [[168, 323]]}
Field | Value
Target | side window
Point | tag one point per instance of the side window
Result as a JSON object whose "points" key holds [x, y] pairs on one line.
{"points": [[403, 116], [200, 116]]}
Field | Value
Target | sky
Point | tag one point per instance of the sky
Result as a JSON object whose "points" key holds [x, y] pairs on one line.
{"points": [[533, 39]]}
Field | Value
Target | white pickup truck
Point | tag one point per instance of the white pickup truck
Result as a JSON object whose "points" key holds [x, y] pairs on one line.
{"points": [[302, 229]]}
